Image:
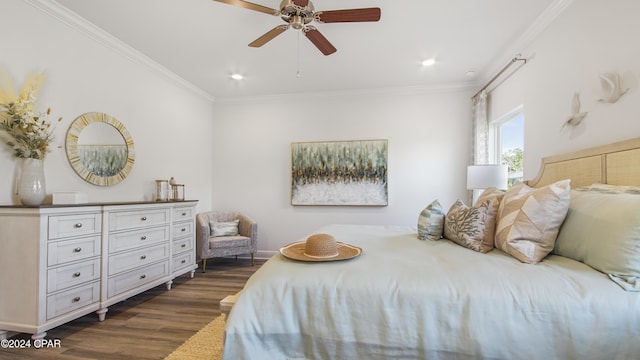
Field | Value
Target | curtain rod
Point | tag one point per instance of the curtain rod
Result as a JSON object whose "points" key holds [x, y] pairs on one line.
{"points": [[514, 60]]}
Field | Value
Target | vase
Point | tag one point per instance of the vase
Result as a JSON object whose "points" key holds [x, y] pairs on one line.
{"points": [[31, 186]]}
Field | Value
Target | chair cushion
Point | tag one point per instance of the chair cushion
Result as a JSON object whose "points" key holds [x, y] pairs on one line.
{"points": [[222, 242]]}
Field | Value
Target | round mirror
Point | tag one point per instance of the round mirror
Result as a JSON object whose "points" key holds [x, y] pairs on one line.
{"points": [[100, 149]]}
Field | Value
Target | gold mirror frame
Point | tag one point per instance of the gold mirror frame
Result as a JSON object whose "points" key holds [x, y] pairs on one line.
{"points": [[71, 146]]}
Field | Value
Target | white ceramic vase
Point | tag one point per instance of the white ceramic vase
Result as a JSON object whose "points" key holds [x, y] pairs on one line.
{"points": [[31, 187]]}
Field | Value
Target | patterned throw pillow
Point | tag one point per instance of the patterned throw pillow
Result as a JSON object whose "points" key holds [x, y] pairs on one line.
{"points": [[431, 222], [229, 228], [529, 220], [467, 226], [495, 196]]}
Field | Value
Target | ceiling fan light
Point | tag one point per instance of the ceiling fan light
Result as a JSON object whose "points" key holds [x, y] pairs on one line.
{"points": [[297, 22]]}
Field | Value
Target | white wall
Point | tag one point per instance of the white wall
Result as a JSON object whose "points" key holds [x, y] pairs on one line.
{"points": [[590, 37], [428, 134], [170, 123]]}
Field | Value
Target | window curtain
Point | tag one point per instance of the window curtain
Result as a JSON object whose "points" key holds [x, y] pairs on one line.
{"points": [[480, 133]]}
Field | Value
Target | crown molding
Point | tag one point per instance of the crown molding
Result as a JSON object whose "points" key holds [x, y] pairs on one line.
{"points": [[80, 24], [539, 25], [384, 91]]}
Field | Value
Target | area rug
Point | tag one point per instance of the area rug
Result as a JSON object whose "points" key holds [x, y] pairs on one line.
{"points": [[207, 343]]}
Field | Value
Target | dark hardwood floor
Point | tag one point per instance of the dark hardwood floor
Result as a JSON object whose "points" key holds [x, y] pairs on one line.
{"points": [[150, 325]]}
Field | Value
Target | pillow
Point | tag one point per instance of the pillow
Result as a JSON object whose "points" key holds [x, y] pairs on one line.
{"points": [[495, 196], [229, 228], [467, 226], [602, 230], [529, 220], [615, 189], [431, 222]]}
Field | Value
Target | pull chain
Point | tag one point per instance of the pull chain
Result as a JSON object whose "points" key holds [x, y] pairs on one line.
{"points": [[298, 56]]}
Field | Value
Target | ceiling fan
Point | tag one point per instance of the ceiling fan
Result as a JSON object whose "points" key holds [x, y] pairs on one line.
{"points": [[298, 14]]}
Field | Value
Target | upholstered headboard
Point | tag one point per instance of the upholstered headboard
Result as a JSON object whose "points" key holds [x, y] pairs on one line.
{"points": [[616, 164]]}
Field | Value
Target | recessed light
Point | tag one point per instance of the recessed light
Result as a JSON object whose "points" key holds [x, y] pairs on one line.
{"points": [[428, 62], [237, 77], [470, 73]]}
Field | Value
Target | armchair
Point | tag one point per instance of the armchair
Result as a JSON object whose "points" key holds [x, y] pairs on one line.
{"points": [[209, 246]]}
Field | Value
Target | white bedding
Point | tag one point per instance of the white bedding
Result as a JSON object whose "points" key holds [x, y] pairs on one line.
{"points": [[405, 298]]}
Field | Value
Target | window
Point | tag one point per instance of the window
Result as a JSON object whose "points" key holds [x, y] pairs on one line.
{"points": [[506, 143]]}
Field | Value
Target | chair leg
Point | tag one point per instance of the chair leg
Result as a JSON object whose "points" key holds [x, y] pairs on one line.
{"points": [[236, 257], [252, 263], [204, 266]]}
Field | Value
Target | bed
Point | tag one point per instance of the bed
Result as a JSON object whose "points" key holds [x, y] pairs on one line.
{"points": [[405, 298]]}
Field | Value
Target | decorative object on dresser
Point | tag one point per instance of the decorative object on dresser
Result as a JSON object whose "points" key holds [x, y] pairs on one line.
{"points": [[100, 149], [225, 233], [28, 134], [76, 259], [162, 190], [339, 173]]}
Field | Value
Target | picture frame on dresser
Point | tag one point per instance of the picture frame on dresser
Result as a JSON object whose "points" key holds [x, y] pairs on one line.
{"points": [[77, 259]]}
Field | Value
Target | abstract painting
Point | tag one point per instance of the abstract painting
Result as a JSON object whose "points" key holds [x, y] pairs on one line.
{"points": [[339, 173]]}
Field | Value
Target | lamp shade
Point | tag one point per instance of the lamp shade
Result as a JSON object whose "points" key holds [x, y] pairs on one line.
{"points": [[486, 176]]}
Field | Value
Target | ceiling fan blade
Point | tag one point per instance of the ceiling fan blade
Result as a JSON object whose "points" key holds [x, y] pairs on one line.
{"points": [[269, 35], [251, 6], [301, 3], [319, 40], [349, 15]]}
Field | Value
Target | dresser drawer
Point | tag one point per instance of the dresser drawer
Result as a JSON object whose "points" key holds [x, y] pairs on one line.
{"points": [[61, 226], [124, 282], [125, 220], [182, 229], [136, 258], [60, 252], [72, 275], [74, 299], [180, 214], [137, 238], [181, 261], [182, 245]]}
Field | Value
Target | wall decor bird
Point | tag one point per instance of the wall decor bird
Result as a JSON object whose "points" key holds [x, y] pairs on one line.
{"points": [[576, 116], [611, 89]]}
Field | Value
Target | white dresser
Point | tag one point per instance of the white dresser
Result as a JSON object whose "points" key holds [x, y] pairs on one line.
{"points": [[61, 262]]}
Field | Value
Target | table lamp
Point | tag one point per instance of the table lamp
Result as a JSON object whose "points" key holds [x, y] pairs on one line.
{"points": [[480, 177]]}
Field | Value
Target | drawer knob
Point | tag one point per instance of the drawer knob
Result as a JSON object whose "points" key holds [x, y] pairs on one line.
{"points": [[143, 257], [183, 230], [184, 214], [144, 218], [78, 249], [76, 274], [76, 299], [143, 276], [78, 225], [183, 245], [183, 261], [143, 238]]}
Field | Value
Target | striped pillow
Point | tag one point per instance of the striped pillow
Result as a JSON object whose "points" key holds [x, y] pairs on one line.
{"points": [[229, 228], [431, 222]]}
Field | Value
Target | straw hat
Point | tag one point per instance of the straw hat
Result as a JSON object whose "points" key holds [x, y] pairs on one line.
{"points": [[320, 247]]}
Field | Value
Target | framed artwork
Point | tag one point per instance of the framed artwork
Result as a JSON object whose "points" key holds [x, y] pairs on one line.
{"points": [[339, 173]]}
